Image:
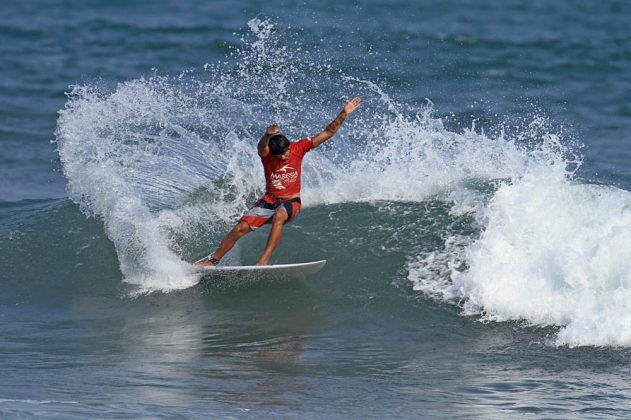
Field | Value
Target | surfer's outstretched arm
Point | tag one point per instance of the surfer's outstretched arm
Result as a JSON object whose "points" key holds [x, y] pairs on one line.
{"points": [[335, 125]]}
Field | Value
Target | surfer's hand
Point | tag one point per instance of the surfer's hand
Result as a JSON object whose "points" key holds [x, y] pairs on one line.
{"points": [[352, 105], [272, 129]]}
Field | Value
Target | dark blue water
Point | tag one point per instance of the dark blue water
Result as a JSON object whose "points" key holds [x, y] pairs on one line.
{"points": [[474, 212]]}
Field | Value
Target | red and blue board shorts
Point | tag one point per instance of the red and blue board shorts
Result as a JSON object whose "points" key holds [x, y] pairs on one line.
{"points": [[263, 210]]}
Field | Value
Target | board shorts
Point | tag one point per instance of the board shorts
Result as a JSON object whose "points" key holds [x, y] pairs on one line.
{"points": [[263, 210]]}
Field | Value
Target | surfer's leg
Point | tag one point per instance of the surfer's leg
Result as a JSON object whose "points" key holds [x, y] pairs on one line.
{"points": [[237, 232], [254, 218], [278, 221]]}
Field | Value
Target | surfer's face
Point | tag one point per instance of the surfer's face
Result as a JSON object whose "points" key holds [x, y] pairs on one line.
{"points": [[284, 156]]}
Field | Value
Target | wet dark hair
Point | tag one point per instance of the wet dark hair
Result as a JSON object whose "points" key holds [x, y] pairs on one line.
{"points": [[278, 144]]}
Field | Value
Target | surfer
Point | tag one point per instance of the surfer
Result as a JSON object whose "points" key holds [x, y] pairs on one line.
{"points": [[282, 163]]}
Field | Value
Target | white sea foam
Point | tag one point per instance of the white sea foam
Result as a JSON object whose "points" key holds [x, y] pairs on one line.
{"points": [[411, 159], [552, 252], [132, 155], [36, 402], [555, 253], [164, 161]]}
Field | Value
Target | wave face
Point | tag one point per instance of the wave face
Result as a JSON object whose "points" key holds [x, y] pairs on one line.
{"points": [[169, 163]]}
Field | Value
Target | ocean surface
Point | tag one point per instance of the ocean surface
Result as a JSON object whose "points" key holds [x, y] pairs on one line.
{"points": [[475, 212]]}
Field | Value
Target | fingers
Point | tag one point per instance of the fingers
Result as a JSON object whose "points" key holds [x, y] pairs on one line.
{"points": [[353, 104], [272, 129]]}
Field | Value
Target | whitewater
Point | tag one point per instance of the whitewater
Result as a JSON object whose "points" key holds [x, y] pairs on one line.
{"points": [[169, 162]]}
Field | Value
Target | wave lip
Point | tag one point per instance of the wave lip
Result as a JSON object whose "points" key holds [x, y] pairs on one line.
{"points": [[553, 253]]}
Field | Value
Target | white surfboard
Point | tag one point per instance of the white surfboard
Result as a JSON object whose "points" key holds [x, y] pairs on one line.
{"points": [[249, 273]]}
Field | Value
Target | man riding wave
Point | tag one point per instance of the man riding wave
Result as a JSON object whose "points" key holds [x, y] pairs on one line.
{"points": [[282, 164]]}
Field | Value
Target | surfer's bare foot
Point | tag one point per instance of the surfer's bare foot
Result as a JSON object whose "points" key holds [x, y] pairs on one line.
{"points": [[263, 262], [207, 262], [204, 264]]}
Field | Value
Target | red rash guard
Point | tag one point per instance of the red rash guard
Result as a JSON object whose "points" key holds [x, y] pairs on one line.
{"points": [[282, 178]]}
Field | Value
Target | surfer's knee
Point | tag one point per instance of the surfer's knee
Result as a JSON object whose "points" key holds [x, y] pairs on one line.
{"points": [[280, 216], [241, 229]]}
